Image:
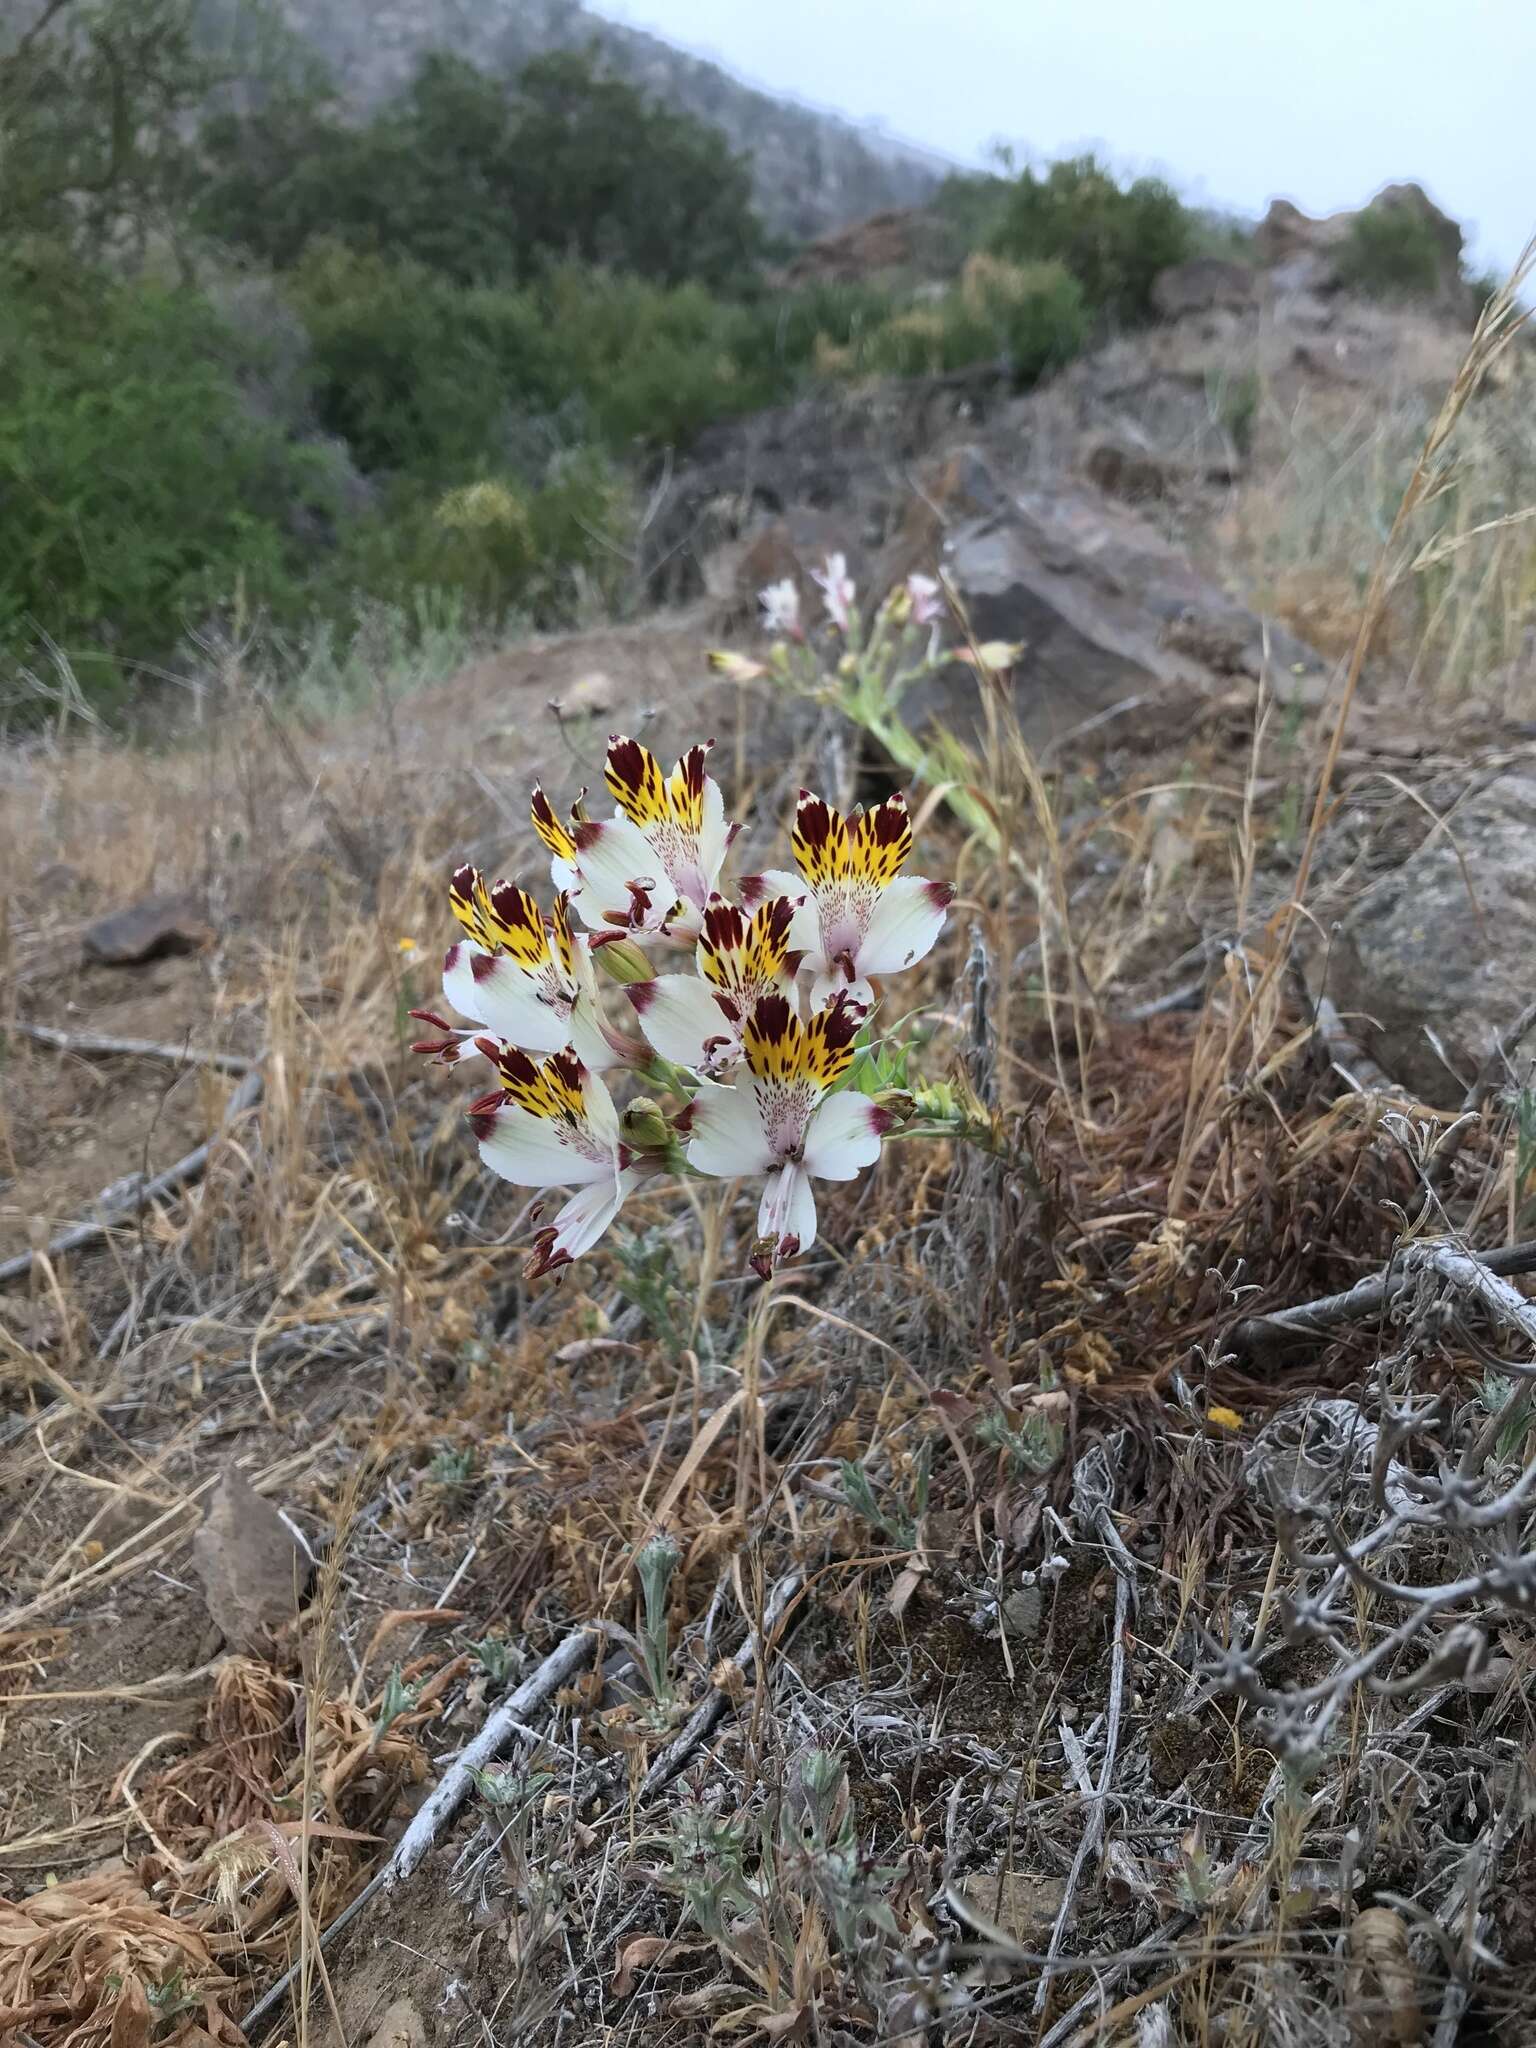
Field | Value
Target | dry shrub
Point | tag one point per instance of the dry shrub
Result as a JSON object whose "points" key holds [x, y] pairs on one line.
{"points": [[95, 1962]]}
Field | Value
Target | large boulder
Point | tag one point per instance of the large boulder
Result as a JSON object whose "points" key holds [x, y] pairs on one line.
{"points": [[1111, 616], [1439, 956]]}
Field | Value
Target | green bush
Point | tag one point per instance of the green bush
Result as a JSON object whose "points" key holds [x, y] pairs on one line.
{"points": [[415, 373], [1390, 252], [1031, 316], [137, 490], [1113, 240]]}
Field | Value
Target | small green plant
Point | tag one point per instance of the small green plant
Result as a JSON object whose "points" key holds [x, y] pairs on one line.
{"points": [[399, 1698], [893, 1519], [655, 1564], [451, 1471], [753, 1883], [1030, 1446], [649, 1279], [1234, 401], [1525, 1157], [1512, 1402], [496, 1658]]}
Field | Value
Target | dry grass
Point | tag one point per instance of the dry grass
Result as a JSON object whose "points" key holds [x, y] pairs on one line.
{"points": [[1027, 1693]]}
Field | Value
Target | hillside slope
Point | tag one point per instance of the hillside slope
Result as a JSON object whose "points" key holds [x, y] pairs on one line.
{"points": [[813, 171]]}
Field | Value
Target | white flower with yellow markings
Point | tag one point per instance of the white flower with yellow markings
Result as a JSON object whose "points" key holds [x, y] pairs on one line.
{"points": [[520, 976], [862, 916], [654, 867], [780, 1120], [696, 1020], [552, 1124]]}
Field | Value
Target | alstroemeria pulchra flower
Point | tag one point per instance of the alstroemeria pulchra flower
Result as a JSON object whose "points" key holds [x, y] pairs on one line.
{"points": [[864, 917], [780, 604], [927, 600], [552, 1124], [654, 867], [696, 1020], [522, 977], [779, 1119], [836, 586]]}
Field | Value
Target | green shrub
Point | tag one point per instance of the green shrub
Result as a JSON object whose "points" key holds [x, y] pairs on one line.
{"points": [[499, 548], [1036, 310], [413, 372], [1390, 252], [137, 490], [1031, 316], [1113, 240]]}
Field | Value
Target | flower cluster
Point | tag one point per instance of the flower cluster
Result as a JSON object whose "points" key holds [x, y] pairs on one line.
{"points": [[753, 1051], [864, 663]]}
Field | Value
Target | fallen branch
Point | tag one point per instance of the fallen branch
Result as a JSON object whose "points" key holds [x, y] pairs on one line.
{"points": [[712, 1708], [89, 1046], [129, 1197], [562, 1663], [1314, 1321]]}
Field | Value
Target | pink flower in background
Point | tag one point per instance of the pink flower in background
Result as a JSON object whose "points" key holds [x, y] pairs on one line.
{"points": [[781, 609], [927, 600], [836, 585]]}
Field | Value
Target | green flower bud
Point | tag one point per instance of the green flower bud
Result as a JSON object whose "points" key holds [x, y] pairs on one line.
{"points": [[625, 962]]}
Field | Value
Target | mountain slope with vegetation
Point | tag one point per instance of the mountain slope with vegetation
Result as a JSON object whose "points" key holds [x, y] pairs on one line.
{"points": [[811, 170]]}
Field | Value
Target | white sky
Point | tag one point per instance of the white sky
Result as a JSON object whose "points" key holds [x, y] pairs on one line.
{"points": [[1235, 101]]}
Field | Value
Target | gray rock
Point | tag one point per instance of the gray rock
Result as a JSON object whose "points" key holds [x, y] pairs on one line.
{"points": [[253, 1572], [1419, 955], [145, 931], [1110, 613]]}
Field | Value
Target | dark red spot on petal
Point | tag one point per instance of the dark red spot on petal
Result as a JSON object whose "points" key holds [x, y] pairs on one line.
{"points": [[642, 994]]}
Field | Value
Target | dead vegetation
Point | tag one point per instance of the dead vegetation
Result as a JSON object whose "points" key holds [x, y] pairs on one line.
{"points": [[1014, 1624]]}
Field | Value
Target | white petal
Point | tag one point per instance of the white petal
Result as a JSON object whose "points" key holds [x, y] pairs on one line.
{"points": [[727, 1134], [906, 922], [788, 1210], [526, 1150], [679, 1017], [844, 1135], [585, 1036], [588, 1214], [495, 991], [602, 1117], [617, 854], [714, 832]]}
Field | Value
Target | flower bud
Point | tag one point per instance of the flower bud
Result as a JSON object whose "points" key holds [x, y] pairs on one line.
{"points": [[624, 961], [736, 668], [644, 1126]]}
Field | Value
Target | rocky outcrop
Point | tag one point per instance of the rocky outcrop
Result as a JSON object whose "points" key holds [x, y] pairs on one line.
{"points": [[834, 470], [1439, 956], [1303, 252], [1112, 618]]}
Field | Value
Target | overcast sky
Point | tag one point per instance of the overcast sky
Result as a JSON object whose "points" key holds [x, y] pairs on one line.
{"points": [[1235, 101]]}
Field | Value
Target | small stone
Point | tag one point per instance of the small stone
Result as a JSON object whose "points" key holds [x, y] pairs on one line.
{"points": [[254, 1573], [148, 930]]}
